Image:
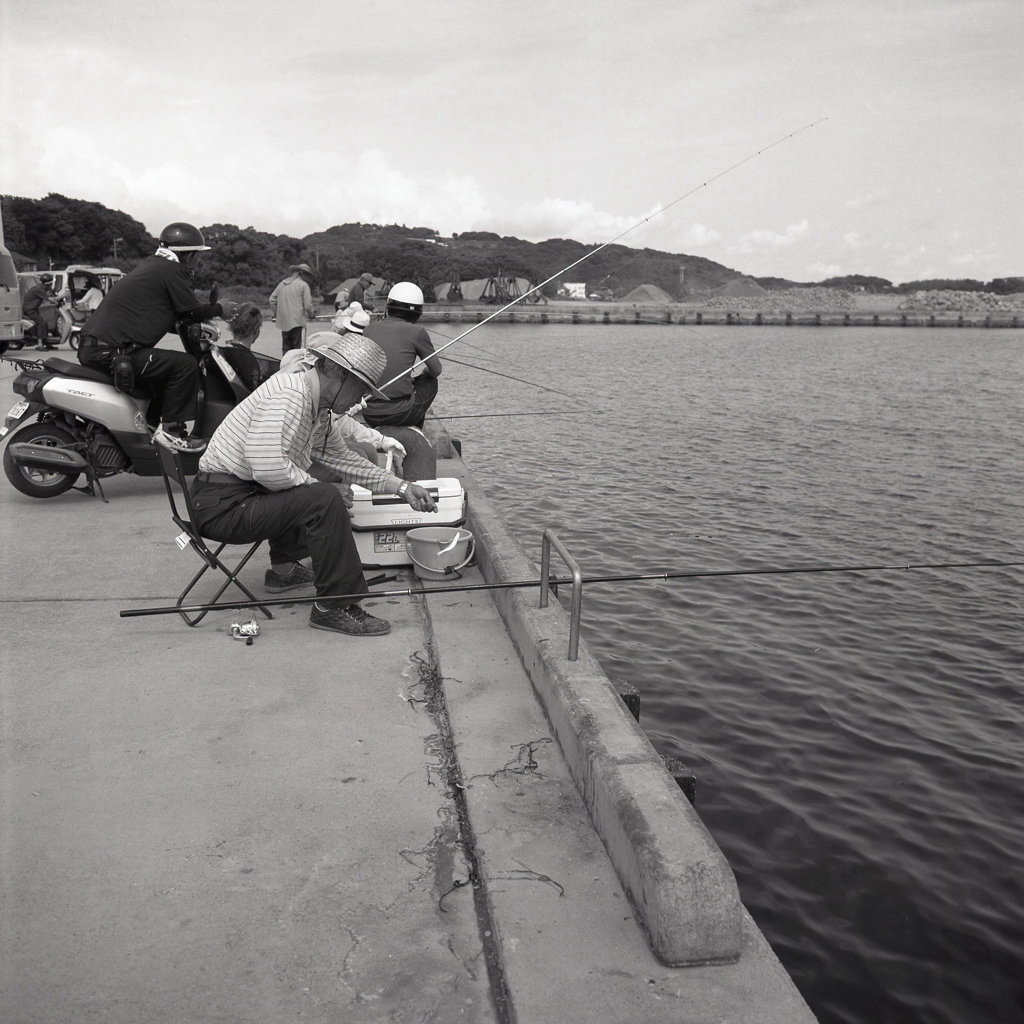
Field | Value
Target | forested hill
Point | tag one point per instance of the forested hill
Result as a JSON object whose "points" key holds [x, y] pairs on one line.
{"points": [[57, 230]]}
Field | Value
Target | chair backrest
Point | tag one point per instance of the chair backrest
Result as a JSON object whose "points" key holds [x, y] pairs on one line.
{"points": [[171, 468]]}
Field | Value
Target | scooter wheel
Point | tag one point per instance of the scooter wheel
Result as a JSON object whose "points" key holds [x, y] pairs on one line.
{"points": [[37, 483]]}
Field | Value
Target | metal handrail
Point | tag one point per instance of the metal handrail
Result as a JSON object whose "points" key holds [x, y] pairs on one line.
{"points": [[548, 541]]}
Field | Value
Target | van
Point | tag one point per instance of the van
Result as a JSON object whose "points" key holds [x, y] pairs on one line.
{"points": [[10, 302]]}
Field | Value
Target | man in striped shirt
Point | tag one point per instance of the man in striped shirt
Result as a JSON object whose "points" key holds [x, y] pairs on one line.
{"points": [[254, 480]]}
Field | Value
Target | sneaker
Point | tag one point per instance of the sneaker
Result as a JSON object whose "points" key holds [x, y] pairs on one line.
{"points": [[279, 582], [179, 442], [351, 620]]}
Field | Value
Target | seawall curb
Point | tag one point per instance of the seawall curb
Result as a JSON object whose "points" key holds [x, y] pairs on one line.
{"points": [[679, 881]]}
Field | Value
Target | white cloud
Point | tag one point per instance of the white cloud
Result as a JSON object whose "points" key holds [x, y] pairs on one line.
{"points": [[698, 235], [868, 199], [824, 269], [571, 218], [852, 239], [761, 240]]}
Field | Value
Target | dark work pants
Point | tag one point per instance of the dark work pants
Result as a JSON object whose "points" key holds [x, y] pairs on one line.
{"points": [[404, 412], [291, 339], [172, 376], [40, 329], [307, 520]]}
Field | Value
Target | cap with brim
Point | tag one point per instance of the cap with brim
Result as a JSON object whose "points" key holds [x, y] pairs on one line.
{"points": [[356, 322], [357, 353]]}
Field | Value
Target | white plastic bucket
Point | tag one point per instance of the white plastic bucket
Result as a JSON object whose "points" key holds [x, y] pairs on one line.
{"points": [[438, 552]]}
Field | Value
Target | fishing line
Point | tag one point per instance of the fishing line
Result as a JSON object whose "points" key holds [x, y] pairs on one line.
{"points": [[485, 369], [564, 581], [586, 256], [494, 415]]}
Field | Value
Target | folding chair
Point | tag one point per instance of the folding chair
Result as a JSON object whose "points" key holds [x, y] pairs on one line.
{"points": [[171, 468]]}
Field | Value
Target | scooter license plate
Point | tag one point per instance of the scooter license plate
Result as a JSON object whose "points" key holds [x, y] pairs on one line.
{"points": [[388, 540], [13, 416]]}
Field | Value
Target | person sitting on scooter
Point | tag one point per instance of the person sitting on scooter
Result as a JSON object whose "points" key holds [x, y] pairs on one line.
{"points": [[34, 298], [138, 311], [245, 324]]}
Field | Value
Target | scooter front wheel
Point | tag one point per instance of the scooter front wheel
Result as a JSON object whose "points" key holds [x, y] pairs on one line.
{"points": [[37, 483]]}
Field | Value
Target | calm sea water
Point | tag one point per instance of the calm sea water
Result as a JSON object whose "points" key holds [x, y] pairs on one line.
{"points": [[857, 737]]}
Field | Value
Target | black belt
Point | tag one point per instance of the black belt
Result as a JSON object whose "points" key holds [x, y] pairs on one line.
{"points": [[220, 478]]}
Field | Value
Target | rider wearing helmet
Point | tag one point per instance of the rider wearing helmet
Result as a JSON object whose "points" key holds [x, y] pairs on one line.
{"points": [[137, 312], [408, 348]]}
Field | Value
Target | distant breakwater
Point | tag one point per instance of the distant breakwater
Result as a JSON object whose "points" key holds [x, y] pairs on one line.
{"points": [[620, 313]]}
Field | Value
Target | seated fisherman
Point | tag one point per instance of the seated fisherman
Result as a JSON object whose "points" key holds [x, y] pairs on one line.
{"points": [[408, 348], [255, 483]]}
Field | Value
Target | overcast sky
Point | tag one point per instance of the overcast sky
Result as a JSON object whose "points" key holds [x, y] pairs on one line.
{"points": [[542, 120]]}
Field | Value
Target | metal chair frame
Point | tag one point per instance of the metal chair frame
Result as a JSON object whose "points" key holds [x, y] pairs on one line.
{"points": [[171, 467]]}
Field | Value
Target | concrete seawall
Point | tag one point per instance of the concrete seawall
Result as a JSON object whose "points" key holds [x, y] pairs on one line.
{"points": [[589, 313], [680, 883]]}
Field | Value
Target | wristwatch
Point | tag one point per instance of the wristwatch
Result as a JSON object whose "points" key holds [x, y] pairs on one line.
{"points": [[402, 488]]}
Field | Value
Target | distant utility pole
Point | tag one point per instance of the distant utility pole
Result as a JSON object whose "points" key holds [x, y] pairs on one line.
{"points": [[116, 240]]}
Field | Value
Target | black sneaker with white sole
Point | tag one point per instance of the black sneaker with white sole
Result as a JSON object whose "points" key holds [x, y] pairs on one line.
{"points": [[353, 621]]}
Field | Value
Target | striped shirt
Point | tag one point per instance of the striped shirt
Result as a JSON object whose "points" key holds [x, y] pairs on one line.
{"points": [[274, 435]]}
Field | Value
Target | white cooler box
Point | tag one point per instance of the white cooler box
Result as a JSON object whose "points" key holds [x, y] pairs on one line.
{"points": [[379, 521]]}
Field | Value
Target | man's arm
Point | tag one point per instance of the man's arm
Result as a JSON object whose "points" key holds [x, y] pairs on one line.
{"points": [[307, 302], [425, 350], [273, 301]]}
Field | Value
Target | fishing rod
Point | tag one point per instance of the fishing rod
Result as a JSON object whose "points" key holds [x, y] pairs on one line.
{"points": [[563, 581], [587, 255]]}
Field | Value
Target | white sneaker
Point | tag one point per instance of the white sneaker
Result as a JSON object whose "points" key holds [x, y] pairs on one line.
{"points": [[179, 442]]}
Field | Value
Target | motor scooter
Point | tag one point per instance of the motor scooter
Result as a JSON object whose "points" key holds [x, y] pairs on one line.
{"points": [[84, 426]]}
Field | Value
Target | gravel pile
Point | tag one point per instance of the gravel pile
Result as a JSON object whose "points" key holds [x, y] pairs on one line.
{"points": [[792, 300], [963, 302]]}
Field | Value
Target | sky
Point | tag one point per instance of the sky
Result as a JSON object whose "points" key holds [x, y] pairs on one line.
{"points": [[543, 120]]}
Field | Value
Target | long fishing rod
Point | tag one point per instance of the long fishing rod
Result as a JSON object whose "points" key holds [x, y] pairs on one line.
{"points": [[499, 415], [586, 256], [562, 581]]}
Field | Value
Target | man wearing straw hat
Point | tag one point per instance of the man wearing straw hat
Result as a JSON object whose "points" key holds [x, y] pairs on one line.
{"points": [[291, 305], [254, 480]]}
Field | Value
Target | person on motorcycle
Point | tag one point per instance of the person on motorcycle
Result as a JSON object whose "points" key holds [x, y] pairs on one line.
{"points": [[408, 348], [30, 307], [138, 311]]}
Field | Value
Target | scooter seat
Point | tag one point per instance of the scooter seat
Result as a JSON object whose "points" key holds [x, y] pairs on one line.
{"points": [[69, 369]]}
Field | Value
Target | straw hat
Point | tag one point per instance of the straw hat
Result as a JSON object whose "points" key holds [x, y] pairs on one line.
{"points": [[365, 358], [304, 268]]}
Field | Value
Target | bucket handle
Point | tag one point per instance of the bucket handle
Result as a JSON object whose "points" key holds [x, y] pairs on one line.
{"points": [[448, 568]]}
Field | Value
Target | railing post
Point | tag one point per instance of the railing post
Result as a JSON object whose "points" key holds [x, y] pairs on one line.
{"points": [[548, 541]]}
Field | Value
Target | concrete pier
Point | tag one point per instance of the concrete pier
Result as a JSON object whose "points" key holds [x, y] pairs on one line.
{"points": [[442, 824]]}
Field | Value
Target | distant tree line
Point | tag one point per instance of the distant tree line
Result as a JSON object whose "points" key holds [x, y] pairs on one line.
{"points": [[57, 230]]}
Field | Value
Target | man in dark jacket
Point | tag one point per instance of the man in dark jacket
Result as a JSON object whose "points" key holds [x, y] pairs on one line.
{"points": [[357, 293], [34, 298], [137, 312]]}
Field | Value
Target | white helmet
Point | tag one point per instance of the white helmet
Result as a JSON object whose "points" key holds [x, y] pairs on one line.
{"points": [[407, 293]]}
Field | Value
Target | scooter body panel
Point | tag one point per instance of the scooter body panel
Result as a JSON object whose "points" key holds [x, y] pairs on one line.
{"points": [[98, 402]]}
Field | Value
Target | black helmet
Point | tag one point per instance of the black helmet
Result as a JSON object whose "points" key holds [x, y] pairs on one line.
{"points": [[182, 237]]}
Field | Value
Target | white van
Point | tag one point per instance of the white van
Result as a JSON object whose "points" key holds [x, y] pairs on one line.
{"points": [[10, 302]]}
